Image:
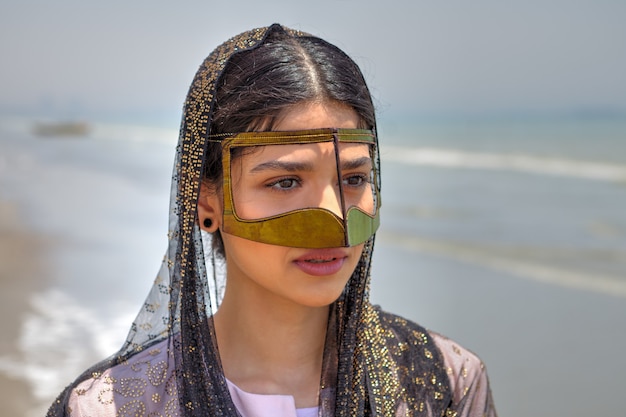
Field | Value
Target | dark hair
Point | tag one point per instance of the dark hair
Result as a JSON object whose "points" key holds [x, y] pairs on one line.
{"points": [[258, 84]]}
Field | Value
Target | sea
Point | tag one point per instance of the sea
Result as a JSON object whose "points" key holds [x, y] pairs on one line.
{"points": [[507, 235]]}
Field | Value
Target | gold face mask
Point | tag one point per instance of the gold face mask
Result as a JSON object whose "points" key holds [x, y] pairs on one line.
{"points": [[357, 190]]}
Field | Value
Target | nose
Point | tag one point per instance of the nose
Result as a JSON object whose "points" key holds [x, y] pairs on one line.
{"points": [[331, 200]]}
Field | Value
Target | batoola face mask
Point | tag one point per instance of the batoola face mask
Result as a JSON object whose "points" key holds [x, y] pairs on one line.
{"points": [[307, 189]]}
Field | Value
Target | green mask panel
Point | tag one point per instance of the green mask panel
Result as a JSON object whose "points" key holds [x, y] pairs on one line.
{"points": [[307, 227]]}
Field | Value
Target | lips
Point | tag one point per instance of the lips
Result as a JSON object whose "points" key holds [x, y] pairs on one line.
{"points": [[321, 262]]}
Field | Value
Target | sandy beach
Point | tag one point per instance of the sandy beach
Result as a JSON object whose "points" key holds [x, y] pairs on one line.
{"points": [[21, 267]]}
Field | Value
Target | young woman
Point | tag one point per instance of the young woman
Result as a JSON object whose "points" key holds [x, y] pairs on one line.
{"points": [[276, 182]]}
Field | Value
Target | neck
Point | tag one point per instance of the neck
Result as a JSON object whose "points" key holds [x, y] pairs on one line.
{"points": [[269, 345]]}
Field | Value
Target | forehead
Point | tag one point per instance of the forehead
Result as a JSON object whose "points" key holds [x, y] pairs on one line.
{"points": [[312, 136], [350, 144], [308, 151], [317, 115]]}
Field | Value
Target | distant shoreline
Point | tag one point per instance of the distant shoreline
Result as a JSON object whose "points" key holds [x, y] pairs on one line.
{"points": [[65, 129]]}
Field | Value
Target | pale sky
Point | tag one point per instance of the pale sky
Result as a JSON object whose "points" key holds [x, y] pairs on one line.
{"points": [[135, 59]]}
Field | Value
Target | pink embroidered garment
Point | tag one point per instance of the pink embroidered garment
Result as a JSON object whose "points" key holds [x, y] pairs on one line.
{"points": [[373, 364], [145, 386]]}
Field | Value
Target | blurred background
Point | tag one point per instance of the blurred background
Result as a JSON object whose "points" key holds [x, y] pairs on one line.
{"points": [[503, 140]]}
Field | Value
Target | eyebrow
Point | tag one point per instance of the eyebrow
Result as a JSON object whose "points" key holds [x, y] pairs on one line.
{"points": [[289, 166], [297, 166], [355, 163]]}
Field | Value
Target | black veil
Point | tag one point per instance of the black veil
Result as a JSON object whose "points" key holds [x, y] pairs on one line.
{"points": [[374, 363]]}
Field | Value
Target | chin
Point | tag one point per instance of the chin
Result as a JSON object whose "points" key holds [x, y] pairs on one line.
{"points": [[322, 299]]}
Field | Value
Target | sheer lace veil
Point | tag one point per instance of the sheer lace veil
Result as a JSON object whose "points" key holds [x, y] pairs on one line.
{"points": [[361, 375]]}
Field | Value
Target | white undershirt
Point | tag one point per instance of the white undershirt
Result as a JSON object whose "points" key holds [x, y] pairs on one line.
{"points": [[267, 405]]}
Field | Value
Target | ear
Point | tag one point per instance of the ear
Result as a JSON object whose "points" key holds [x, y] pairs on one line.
{"points": [[209, 207]]}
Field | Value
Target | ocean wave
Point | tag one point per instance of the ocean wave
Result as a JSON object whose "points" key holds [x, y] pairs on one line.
{"points": [[453, 158], [47, 364], [527, 269]]}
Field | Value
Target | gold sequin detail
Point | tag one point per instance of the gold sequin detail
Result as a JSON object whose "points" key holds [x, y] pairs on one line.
{"points": [[105, 396], [132, 387], [171, 408], [387, 367], [116, 389], [382, 371], [134, 408], [157, 373], [145, 326]]}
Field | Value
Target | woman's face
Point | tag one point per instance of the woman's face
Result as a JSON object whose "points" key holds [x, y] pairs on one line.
{"points": [[274, 179]]}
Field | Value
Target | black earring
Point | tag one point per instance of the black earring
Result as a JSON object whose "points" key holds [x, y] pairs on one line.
{"points": [[208, 223]]}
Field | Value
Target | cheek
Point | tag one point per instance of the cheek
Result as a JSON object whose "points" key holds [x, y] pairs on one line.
{"points": [[353, 261], [247, 256], [367, 202]]}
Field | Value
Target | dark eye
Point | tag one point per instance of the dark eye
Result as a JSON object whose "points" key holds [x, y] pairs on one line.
{"points": [[284, 184], [354, 180]]}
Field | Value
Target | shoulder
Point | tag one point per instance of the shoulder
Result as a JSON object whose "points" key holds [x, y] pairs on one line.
{"points": [[464, 368], [468, 383], [143, 384], [406, 333], [460, 363]]}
